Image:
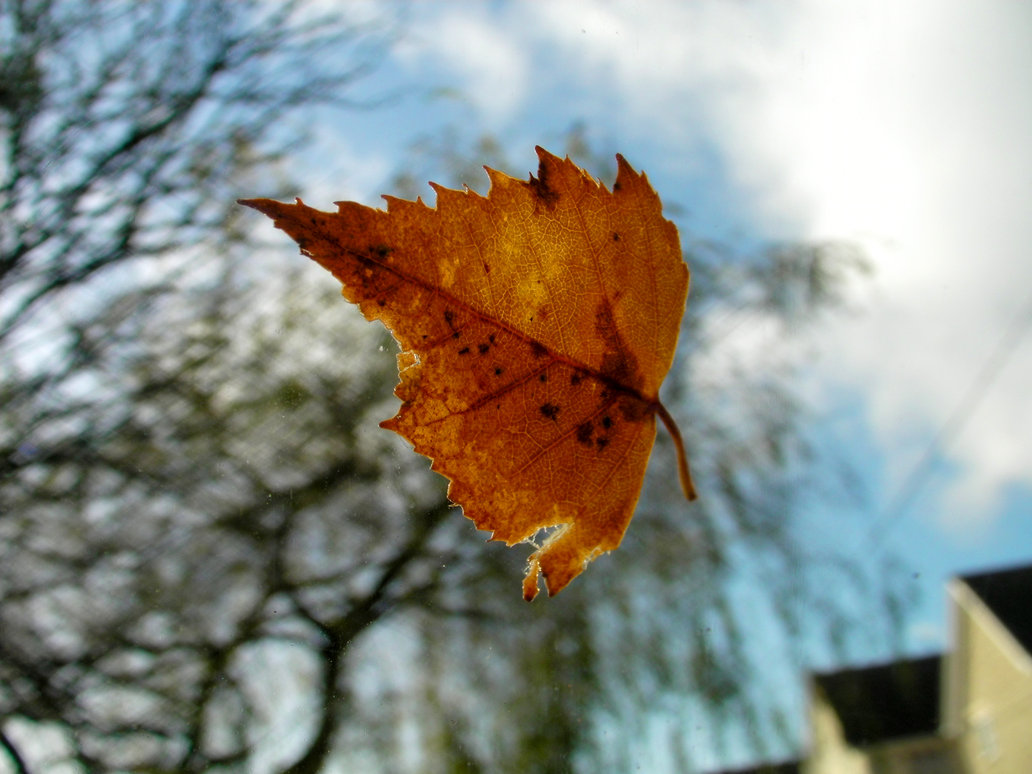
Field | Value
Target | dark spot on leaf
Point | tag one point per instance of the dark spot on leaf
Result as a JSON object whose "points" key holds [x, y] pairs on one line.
{"points": [[607, 422], [538, 350], [490, 338], [633, 409], [575, 379], [498, 371], [464, 351], [601, 443], [618, 364], [381, 302], [482, 348], [549, 410], [449, 317], [584, 431], [543, 378], [542, 187], [615, 365], [617, 186], [616, 237]]}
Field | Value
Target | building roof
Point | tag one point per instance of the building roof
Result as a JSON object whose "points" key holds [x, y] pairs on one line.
{"points": [[1008, 594], [884, 702]]}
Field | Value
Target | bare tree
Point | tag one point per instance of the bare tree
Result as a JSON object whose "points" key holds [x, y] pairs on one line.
{"points": [[125, 128]]}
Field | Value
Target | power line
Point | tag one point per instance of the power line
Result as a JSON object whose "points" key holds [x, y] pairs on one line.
{"points": [[973, 397]]}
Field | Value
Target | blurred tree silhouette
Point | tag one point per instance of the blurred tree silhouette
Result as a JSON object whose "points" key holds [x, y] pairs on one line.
{"points": [[209, 554]]}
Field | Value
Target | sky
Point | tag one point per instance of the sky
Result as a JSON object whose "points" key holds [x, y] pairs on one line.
{"points": [[902, 127]]}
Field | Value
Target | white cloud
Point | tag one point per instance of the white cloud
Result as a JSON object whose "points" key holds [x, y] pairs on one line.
{"points": [[921, 151], [904, 126], [488, 61]]}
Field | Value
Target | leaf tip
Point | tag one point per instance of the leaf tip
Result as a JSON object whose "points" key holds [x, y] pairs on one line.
{"points": [[626, 174], [530, 581], [543, 154], [270, 207], [496, 179]]}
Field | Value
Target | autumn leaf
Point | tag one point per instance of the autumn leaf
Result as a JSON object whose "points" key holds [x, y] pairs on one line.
{"points": [[536, 325]]}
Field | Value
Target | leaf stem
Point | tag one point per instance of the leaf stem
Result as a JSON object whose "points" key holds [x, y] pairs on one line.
{"points": [[682, 458]]}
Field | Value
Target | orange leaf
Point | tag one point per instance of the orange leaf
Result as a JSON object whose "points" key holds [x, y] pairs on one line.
{"points": [[536, 325]]}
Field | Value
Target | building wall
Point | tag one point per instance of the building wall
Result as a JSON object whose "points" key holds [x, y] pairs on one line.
{"points": [[925, 755], [993, 704], [986, 701], [829, 752]]}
